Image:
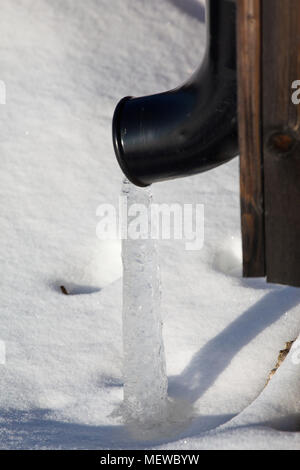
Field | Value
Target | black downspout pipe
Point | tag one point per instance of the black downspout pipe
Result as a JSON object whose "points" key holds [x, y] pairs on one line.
{"points": [[193, 128]]}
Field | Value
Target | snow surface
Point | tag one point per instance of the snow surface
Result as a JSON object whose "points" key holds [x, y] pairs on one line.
{"points": [[66, 63]]}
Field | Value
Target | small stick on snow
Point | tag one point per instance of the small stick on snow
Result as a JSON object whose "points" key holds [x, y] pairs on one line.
{"points": [[281, 358], [64, 290]]}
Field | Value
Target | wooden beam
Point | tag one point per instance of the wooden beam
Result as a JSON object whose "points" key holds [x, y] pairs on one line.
{"points": [[249, 26], [281, 137]]}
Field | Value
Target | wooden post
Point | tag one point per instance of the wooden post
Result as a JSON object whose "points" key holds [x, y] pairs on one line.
{"points": [[281, 136], [269, 128], [251, 175]]}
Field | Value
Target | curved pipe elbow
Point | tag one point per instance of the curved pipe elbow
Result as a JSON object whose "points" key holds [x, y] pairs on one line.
{"points": [[191, 129]]}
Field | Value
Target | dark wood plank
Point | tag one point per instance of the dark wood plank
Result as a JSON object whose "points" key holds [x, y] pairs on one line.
{"points": [[281, 136], [250, 128]]}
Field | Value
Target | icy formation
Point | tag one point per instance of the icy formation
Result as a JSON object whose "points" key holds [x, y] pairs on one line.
{"points": [[145, 380]]}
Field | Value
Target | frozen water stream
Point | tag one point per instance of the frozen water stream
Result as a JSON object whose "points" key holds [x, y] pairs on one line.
{"points": [[145, 379]]}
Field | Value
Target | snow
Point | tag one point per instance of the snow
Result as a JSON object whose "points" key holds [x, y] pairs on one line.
{"points": [[65, 65]]}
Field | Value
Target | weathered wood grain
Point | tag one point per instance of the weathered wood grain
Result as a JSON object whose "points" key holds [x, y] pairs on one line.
{"points": [[249, 27], [281, 137]]}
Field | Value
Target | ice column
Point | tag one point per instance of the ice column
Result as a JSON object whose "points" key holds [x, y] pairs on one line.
{"points": [[145, 379]]}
